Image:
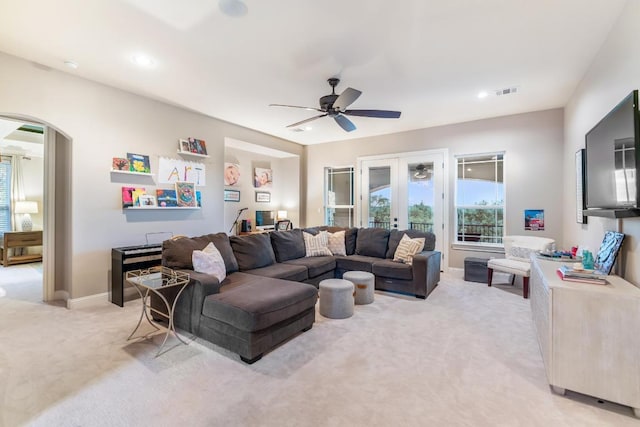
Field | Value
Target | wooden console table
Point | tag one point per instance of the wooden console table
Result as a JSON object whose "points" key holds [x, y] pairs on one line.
{"points": [[19, 239], [588, 334]]}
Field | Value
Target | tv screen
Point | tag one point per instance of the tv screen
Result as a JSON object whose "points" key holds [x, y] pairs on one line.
{"points": [[265, 219], [611, 158]]}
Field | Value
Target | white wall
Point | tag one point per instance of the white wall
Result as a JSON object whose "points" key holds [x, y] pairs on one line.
{"points": [[285, 189], [533, 165], [102, 123], [613, 74]]}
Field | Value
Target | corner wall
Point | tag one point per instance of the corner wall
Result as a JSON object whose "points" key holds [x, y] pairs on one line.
{"points": [[613, 74]]}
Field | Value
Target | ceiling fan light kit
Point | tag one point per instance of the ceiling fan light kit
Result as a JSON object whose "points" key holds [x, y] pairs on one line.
{"points": [[334, 106]]}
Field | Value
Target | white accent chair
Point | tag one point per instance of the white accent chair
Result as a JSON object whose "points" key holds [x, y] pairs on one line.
{"points": [[517, 250]]}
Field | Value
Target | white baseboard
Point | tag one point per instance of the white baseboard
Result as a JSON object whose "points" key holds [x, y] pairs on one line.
{"points": [[90, 301]]}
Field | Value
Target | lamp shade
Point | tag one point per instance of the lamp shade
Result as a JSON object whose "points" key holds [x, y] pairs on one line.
{"points": [[26, 207], [282, 214]]}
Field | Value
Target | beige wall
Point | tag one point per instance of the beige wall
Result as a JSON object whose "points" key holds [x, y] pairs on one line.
{"points": [[613, 74], [102, 123], [532, 143]]}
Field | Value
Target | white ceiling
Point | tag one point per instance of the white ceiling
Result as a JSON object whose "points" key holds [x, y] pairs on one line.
{"points": [[426, 58]]}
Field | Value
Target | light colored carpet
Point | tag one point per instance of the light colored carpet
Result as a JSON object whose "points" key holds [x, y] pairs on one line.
{"points": [[466, 356]]}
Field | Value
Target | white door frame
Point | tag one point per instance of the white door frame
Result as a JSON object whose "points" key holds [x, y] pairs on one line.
{"points": [[442, 240], [49, 217]]}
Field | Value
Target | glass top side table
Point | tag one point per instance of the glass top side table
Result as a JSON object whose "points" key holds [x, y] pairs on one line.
{"points": [[156, 280]]}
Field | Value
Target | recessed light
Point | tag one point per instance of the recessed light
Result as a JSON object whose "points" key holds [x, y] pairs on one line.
{"points": [[233, 8], [308, 128], [142, 60], [71, 64], [483, 94]]}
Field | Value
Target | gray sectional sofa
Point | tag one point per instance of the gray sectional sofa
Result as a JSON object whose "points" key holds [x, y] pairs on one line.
{"points": [[270, 290]]}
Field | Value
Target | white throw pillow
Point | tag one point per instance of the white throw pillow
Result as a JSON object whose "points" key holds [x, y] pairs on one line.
{"points": [[209, 261], [407, 248], [336, 243], [316, 245]]}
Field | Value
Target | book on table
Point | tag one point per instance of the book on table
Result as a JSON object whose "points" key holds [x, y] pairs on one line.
{"points": [[584, 276]]}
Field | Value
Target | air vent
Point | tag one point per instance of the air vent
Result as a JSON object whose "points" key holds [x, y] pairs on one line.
{"points": [[297, 130], [506, 91]]}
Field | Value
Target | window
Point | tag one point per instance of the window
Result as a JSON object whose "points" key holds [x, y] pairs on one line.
{"points": [[480, 198], [338, 197], [5, 194]]}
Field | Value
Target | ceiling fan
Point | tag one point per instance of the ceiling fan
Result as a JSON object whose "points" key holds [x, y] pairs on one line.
{"points": [[335, 106]]}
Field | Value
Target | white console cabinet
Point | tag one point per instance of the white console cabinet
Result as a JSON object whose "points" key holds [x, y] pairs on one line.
{"points": [[589, 334]]}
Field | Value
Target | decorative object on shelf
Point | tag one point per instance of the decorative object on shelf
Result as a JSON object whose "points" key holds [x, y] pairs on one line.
{"points": [[231, 196], [231, 174], [166, 198], [171, 171], [198, 199], [263, 178], [139, 163], [135, 195], [580, 187], [26, 208], [263, 197], [127, 195], [120, 164], [183, 145], [186, 194], [193, 146], [534, 219], [608, 251], [147, 201]]}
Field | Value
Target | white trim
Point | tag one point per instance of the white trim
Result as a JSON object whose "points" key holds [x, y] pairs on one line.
{"points": [[49, 217], [89, 301]]}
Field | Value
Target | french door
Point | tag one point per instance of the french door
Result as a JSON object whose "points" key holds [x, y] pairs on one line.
{"points": [[405, 191]]}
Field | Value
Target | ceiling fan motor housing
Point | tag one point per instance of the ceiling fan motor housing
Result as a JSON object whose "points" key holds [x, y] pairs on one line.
{"points": [[326, 102]]}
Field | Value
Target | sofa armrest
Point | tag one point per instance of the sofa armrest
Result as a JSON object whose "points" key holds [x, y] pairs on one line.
{"points": [[426, 272]]}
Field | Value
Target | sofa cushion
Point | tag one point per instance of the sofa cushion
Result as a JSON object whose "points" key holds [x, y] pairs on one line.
{"points": [[287, 244], [392, 269], [257, 305], [209, 261], [407, 248], [356, 263], [253, 251], [221, 242], [350, 236], [297, 273], [396, 235], [372, 242], [316, 245], [176, 252], [315, 265], [336, 243]]}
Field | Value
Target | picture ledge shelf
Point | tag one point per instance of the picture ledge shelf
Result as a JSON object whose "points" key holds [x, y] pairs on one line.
{"points": [[131, 172], [189, 153], [160, 208]]}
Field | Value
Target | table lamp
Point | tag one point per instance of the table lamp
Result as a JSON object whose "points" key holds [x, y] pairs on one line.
{"points": [[26, 208], [282, 215]]}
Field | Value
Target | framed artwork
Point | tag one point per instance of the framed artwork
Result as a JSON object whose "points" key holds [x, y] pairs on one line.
{"points": [[231, 196], [186, 194], [534, 219], [166, 198], [262, 178], [139, 163], [147, 201], [580, 187], [608, 251], [231, 174], [120, 164], [183, 145], [263, 197]]}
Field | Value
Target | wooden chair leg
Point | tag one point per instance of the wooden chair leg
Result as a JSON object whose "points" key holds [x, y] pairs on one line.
{"points": [[525, 287], [489, 275]]}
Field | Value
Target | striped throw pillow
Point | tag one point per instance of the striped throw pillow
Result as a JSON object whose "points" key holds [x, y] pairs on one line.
{"points": [[407, 248], [316, 245], [336, 243]]}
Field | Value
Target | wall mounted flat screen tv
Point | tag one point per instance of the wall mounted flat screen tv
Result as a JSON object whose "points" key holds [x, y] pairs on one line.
{"points": [[612, 150], [265, 220]]}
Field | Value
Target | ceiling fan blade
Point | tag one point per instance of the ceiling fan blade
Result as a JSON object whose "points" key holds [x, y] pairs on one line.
{"points": [[345, 123], [346, 98], [382, 114], [295, 106], [306, 120]]}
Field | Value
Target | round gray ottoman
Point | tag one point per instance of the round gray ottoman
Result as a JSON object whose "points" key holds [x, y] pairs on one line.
{"points": [[336, 298], [364, 283]]}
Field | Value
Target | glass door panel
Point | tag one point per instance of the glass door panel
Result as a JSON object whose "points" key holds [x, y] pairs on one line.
{"points": [[420, 195]]}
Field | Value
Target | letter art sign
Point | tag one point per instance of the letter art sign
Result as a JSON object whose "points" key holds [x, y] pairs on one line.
{"points": [[173, 170]]}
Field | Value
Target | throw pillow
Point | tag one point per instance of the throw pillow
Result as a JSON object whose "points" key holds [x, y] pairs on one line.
{"points": [[209, 261], [336, 243], [316, 245], [407, 248]]}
